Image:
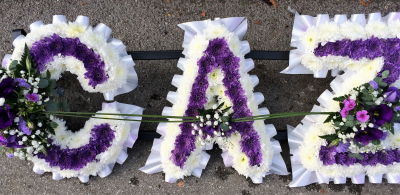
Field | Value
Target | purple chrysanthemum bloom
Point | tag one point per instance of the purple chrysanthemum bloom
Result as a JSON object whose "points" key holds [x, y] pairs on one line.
{"points": [[342, 147], [185, 142], [391, 46], [96, 76], [387, 157], [82, 51], [397, 155], [206, 64], [23, 127], [340, 158], [41, 54], [33, 97], [325, 50], [339, 48], [255, 159], [374, 47], [22, 83], [350, 160], [357, 49], [91, 61], [327, 155], [55, 44], [69, 45], [381, 114], [179, 157], [249, 144], [372, 159], [217, 47], [365, 159], [367, 135]]}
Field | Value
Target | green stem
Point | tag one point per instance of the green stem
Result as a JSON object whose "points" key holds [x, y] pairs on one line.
{"points": [[145, 121], [279, 115], [140, 115]]}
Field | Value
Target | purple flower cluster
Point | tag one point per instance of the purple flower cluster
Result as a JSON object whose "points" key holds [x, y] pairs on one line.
{"points": [[218, 54], [330, 156], [77, 158], [369, 48], [43, 51]]}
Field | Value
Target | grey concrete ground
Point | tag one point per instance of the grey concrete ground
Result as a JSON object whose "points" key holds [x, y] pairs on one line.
{"points": [[152, 25]]}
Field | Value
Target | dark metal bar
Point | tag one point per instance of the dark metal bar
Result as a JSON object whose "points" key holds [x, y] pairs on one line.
{"points": [[150, 135], [176, 54], [16, 32]]}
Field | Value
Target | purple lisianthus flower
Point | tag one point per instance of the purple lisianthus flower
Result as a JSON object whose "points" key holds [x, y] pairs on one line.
{"points": [[397, 108], [327, 155], [367, 135], [7, 88], [392, 94], [362, 116], [344, 113], [381, 114], [6, 116], [12, 142], [22, 83], [33, 97], [374, 84], [23, 127], [350, 104], [342, 147], [384, 135]]}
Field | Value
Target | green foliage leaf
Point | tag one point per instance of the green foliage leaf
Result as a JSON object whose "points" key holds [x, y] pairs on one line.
{"points": [[350, 117], [43, 83], [51, 130], [51, 107], [224, 126], [220, 106], [54, 93], [65, 106], [225, 118], [385, 74], [358, 156], [53, 125], [339, 99], [330, 137], [349, 123], [226, 109], [13, 65], [376, 142]]}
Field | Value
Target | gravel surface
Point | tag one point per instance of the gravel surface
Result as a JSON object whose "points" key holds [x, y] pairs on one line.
{"points": [[145, 25]]}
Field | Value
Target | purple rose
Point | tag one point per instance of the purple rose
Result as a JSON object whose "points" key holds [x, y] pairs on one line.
{"points": [[6, 116], [7, 88], [367, 135], [381, 114], [392, 94]]}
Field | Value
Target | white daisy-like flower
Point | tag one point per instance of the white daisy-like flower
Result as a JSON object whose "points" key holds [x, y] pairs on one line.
{"points": [[377, 29], [352, 31], [310, 39], [311, 62], [215, 77], [328, 32]]}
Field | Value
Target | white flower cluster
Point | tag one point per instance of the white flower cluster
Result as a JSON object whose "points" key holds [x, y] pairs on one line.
{"points": [[116, 65], [193, 53], [308, 151], [331, 32], [66, 138]]}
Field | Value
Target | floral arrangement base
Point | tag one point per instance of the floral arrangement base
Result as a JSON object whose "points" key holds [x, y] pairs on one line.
{"points": [[215, 77], [361, 136]]}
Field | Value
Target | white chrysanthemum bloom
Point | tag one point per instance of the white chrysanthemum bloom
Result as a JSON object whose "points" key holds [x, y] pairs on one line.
{"points": [[311, 62], [234, 45], [75, 29], [328, 32], [215, 31], [312, 136], [378, 169], [215, 77], [309, 157], [93, 40], [118, 73], [394, 28], [198, 44], [310, 39], [220, 90], [179, 108], [352, 31], [191, 69], [227, 103], [332, 171], [394, 140], [394, 169], [377, 29], [355, 65], [331, 62], [241, 163], [246, 83]]}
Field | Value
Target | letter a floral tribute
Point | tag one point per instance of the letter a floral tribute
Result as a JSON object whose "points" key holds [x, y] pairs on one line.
{"points": [[28, 129], [215, 87], [361, 136]]}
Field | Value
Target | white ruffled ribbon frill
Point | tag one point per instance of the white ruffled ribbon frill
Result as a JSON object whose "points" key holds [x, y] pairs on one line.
{"points": [[238, 25], [132, 79], [302, 176], [303, 22], [132, 137]]}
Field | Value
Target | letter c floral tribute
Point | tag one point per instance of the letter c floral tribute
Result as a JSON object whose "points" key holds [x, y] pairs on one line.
{"points": [[28, 129]]}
